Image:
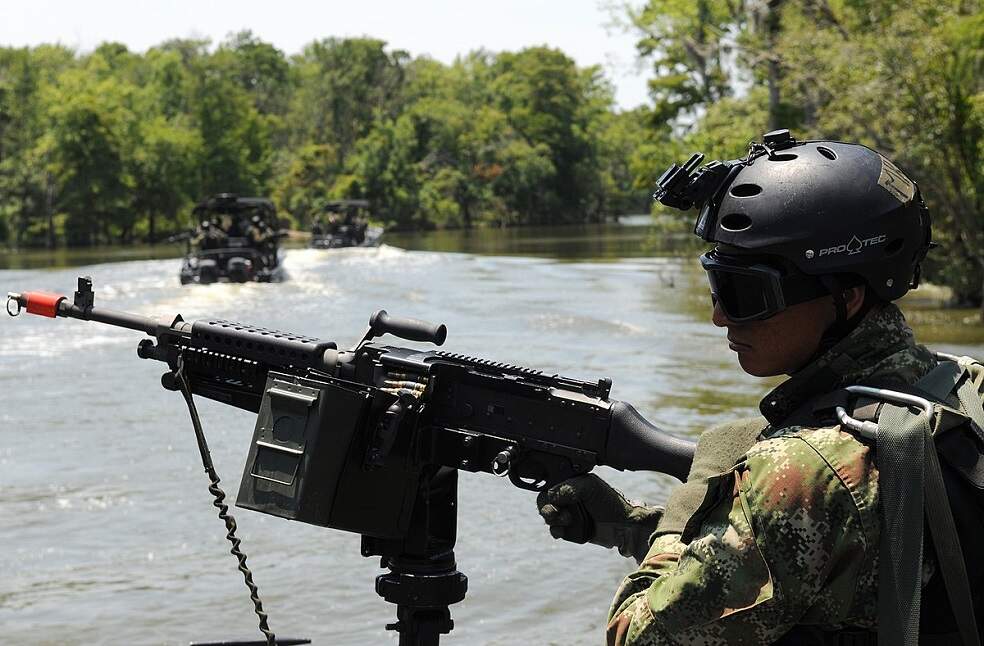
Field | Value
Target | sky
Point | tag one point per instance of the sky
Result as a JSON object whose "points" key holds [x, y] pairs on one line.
{"points": [[441, 29]]}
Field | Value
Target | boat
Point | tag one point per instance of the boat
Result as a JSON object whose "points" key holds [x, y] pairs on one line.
{"points": [[344, 223], [234, 242]]}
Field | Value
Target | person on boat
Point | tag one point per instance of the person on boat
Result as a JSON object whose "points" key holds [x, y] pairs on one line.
{"points": [[774, 538], [317, 226], [335, 222], [209, 236], [259, 232], [235, 228], [262, 238]]}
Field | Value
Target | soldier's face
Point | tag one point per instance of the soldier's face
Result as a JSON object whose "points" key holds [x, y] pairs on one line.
{"points": [[782, 344]]}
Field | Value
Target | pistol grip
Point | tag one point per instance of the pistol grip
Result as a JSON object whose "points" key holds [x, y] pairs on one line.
{"points": [[582, 527]]}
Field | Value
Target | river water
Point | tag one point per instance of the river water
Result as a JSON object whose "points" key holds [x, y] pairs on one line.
{"points": [[107, 532]]}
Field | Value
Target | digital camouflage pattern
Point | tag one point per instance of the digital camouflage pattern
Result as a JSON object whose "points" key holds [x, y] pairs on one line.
{"points": [[788, 535]]}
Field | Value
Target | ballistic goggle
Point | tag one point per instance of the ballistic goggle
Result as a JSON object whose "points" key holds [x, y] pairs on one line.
{"points": [[750, 290]]}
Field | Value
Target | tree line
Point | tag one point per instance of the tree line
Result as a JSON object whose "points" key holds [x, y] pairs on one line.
{"points": [[115, 145], [906, 79]]}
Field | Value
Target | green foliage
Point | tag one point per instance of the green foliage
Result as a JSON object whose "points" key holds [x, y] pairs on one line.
{"points": [[235, 141], [690, 44], [308, 181], [906, 79], [342, 86], [86, 144], [545, 100], [117, 146], [385, 165], [163, 168], [909, 82]]}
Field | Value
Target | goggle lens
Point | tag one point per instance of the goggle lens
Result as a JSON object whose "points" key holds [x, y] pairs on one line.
{"points": [[750, 290], [742, 296]]}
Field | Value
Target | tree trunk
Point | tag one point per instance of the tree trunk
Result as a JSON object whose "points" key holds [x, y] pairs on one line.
{"points": [[772, 29], [49, 209], [982, 299]]}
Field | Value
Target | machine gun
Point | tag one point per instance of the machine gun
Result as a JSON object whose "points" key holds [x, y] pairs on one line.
{"points": [[182, 236], [371, 440]]}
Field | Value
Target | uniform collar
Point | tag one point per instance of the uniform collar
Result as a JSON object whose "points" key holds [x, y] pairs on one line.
{"points": [[880, 351]]}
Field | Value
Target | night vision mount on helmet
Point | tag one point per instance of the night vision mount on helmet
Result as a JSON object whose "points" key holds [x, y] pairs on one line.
{"points": [[826, 207]]}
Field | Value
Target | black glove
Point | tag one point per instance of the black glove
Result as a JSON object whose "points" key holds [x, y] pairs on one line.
{"points": [[586, 509]]}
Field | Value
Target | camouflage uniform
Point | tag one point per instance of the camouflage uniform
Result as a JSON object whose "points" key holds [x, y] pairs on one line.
{"points": [[788, 535], [210, 238]]}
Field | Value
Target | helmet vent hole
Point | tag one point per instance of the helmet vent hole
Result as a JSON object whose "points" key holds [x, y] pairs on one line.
{"points": [[827, 152], [894, 247], [736, 222], [782, 157], [746, 190]]}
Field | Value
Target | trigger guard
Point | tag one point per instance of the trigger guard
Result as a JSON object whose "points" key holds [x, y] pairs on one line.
{"points": [[538, 484]]}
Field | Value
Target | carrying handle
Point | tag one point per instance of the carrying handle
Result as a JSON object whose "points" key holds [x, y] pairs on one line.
{"points": [[382, 323]]}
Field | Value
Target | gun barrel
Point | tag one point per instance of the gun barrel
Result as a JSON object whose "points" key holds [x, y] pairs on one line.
{"points": [[271, 348], [52, 305], [180, 237]]}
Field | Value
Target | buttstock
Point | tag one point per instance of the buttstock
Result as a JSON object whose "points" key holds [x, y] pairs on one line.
{"points": [[636, 445]]}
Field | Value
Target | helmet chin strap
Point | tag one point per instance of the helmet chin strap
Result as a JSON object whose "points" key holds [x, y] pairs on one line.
{"points": [[841, 326], [836, 289]]}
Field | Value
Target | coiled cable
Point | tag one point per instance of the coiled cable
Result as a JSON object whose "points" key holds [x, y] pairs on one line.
{"points": [[216, 491]]}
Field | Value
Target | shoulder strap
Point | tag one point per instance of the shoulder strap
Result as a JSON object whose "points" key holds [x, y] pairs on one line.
{"points": [[945, 537], [900, 446], [949, 554], [908, 466]]}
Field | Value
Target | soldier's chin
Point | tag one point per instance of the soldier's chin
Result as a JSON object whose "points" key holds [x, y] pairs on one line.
{"points": [[757, 366]]}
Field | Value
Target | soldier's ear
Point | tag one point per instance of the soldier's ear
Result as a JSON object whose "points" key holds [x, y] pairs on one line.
{"points": [[854, 299]]}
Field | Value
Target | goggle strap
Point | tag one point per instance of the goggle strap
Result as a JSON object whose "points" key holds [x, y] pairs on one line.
{"points": [[836, 290]]}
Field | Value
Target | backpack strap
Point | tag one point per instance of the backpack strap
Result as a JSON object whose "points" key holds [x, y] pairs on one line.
{"points": [[901, 446], [941, 525], [908, 467], [969, 391], [949, 554]]}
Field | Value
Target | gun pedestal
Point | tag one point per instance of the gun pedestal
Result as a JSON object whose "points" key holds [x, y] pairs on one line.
{"points": [[423, 579], [422, 592]]}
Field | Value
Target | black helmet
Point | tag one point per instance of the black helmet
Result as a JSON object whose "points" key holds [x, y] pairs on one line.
{"points": [[824, 207]]}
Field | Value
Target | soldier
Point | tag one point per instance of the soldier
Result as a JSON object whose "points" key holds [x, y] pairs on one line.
{"points": [[775, 536], [209, 236], [259, 233], [235, 227], [261, 237], [317, 228], [335, 221]]}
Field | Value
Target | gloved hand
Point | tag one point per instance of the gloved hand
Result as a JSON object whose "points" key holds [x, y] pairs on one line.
{"points": [[587, 509]]}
